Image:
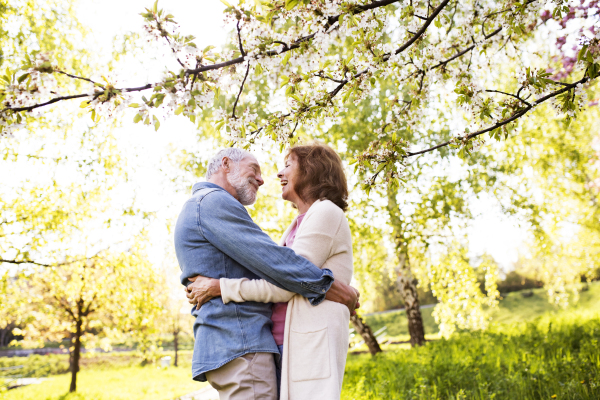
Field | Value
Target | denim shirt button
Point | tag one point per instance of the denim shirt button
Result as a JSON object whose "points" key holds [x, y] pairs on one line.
{"points": [[323, 290]]}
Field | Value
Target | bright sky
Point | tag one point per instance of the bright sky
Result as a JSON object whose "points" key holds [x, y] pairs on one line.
{"points": [[489, 232]]}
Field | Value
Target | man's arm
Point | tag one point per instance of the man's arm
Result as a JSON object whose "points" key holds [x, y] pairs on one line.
{"points": [[225, 223], [203, 289]]}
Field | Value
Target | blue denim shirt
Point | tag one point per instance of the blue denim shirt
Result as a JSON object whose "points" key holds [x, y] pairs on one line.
{"points": [[215, 237]]}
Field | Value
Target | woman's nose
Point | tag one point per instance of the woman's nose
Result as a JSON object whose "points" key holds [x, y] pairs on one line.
{"points": [[280, 174]]}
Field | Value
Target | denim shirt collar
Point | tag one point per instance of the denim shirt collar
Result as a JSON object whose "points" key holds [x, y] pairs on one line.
{"points": [[206, 185]]}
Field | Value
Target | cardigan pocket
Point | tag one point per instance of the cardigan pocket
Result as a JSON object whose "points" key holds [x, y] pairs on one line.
{"points": [[309, 355]]}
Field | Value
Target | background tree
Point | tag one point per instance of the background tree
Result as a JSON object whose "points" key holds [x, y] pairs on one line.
{"points": [[555, 171], [89, 303]]}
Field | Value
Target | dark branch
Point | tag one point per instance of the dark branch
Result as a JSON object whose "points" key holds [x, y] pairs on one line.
{"points": [[18, 262], [78, 77], [240, 93], [508, 94], [506, 121], [239, 33], [75, 96], [399, 50], [421, 31], [285, 45], [465, 51], [320, 75]]}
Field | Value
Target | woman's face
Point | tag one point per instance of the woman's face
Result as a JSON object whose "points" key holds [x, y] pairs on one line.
{"points": [[287, 176]]}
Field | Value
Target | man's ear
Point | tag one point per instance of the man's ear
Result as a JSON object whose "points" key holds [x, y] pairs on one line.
{"points": [[225, 162]]}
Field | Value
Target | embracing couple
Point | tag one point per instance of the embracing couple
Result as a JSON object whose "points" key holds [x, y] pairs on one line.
{"points": [[271, 320]]}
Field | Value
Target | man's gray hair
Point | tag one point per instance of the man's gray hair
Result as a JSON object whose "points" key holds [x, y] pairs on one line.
{"points": [[234, 154]]}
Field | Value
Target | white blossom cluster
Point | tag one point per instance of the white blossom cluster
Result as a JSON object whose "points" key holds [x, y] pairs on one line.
{"points": [[320, 63]]}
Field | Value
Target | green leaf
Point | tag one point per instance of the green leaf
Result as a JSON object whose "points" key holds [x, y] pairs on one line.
{"points": [[84, 104], [134, 105], [286, 58], [22, 78], [290, 4], [226, 3], [179, 110], [137, 118], [156, 123]]}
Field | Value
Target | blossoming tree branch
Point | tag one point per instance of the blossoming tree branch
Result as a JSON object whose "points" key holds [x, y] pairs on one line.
{"points": [[313, 57]]}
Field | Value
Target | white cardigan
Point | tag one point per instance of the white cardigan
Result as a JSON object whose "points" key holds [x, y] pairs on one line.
{"points": [[315, 337]]}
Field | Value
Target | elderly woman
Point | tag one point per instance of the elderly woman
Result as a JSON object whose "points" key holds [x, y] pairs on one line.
{"points": [[313, 340]]}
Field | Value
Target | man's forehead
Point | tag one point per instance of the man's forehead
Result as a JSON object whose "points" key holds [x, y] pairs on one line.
{"points": [[251, 160]]}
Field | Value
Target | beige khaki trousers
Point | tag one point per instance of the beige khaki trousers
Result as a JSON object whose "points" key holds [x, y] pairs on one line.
{"points": [[249, 377]]}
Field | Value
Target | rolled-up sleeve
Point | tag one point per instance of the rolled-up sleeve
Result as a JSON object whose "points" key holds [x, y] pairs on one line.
{"points": [[225, 223]]}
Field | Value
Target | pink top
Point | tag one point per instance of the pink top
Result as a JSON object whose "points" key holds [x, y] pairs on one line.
{"points": [[279, 309]]}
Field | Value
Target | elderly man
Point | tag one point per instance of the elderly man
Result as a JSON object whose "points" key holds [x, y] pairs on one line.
{"points": [[215, 237]]}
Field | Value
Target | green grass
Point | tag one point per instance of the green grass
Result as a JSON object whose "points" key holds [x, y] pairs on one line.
{"points": [[486, 365], [103, 377], [129, 383], [555, 356]]}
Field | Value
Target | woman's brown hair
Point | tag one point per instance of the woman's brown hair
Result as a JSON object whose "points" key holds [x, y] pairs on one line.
{"points": [[321, 174]]}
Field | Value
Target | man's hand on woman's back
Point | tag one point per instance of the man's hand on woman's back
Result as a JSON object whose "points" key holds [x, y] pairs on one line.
{"points": [[344, 294]]}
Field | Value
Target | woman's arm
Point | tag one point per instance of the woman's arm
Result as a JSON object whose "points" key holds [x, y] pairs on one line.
{"points": [[244, 289], [236, 290]]}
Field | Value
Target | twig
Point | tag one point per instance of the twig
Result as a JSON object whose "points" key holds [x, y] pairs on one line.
{"points": [[285, 45], [74, 96], [508, 94], [463, 52], [24, 262], [320, 75], [240, 93], [78, 77], [239, 33]]}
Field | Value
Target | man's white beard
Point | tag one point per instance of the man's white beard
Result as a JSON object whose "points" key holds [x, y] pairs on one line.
{"points": [[243, 188]]}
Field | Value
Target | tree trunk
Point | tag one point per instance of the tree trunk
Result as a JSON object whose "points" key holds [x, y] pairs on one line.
{"points": [[408, 290], [75, 355], [405, 281], [6, 335], [367, 334], [176, 344]]}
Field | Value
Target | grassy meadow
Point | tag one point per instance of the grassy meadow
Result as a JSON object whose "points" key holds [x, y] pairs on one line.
{"points": [[531, 351], [104, 377], [554, 357]]}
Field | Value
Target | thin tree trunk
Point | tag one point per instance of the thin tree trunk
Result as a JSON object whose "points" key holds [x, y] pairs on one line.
{"points": [[408, 290], [405, 280], [367, 334], [176, 344], [76, 355]]}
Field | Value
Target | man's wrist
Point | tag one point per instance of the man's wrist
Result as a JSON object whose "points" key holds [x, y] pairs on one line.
{"points": [[215, 287]]}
